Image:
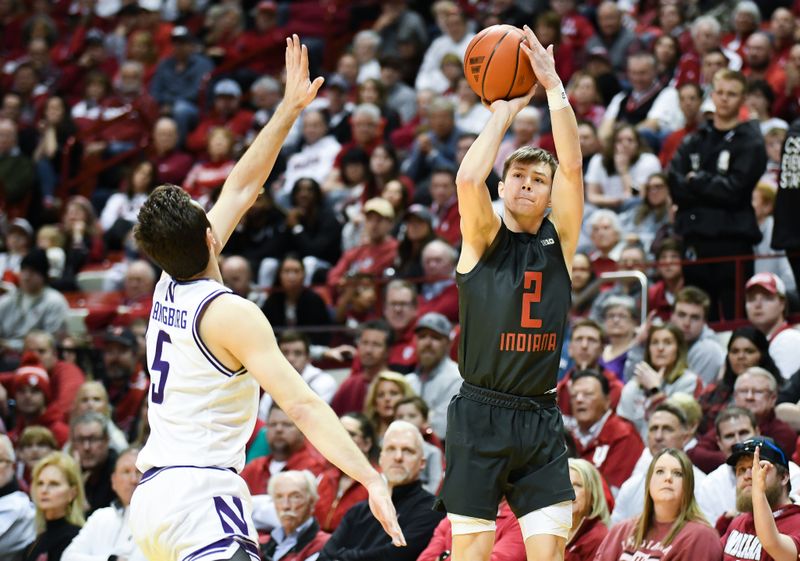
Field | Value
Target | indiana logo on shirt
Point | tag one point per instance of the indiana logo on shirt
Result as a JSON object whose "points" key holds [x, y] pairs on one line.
{"points": [[743, 546]]}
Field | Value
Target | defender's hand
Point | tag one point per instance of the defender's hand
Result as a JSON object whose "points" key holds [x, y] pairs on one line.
{"points": [[380, 503], [300, 91]]}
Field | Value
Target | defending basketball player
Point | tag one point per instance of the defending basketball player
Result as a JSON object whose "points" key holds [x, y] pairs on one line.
{"points": [[504, 433], [208, 350]]}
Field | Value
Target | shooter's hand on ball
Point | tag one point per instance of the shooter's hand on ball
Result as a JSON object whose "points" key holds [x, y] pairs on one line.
{"points": [[544, 65]]}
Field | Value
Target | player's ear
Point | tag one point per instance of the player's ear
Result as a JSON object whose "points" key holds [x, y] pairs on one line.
{"points": [[501, 187]]}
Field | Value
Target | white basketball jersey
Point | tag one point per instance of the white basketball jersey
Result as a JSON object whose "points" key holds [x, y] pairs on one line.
{"points": [[200, 412]]}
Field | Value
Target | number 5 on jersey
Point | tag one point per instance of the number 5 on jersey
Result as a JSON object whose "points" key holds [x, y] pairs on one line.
{"points": [[531, 297], [162, 367]]}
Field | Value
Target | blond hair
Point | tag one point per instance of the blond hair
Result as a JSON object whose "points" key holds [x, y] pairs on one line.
{"points": [[72, 473], [593, 487], [372, 392]]}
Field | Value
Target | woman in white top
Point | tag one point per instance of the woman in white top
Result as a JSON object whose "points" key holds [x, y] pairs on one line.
{"points": [[615, 177], [662, 373], [122, 208]]}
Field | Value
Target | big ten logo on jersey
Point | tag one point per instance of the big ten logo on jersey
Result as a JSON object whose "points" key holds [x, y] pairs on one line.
{"points": [[790, 164], [529, 341]]}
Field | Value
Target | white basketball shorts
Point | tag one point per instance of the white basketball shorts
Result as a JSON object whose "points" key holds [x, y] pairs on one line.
{"points": [[192, 514]]}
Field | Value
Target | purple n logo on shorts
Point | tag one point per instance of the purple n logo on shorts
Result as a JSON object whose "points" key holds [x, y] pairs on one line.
{"points": [[224, 511]]}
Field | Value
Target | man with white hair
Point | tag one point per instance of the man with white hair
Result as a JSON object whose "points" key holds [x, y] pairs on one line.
{"points": [[298, 538], [439, 293], [706, 37], [358, 537], [605, 233], [756, 390], [745, 19], [17, 513], [365, 48]]}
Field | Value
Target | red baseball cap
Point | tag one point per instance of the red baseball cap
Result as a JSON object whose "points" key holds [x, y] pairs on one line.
{"points": [[770, 282]]}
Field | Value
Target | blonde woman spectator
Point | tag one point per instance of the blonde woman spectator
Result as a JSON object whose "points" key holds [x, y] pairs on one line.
{"points": [[671, 519], [57, 492], [383, 394], [590, 515]]}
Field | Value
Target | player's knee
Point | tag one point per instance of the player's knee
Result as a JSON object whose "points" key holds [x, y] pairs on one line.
{"points": [[545, 531]]}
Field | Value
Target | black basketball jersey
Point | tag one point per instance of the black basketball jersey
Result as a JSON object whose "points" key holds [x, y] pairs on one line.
{"points": [[513, 309]]}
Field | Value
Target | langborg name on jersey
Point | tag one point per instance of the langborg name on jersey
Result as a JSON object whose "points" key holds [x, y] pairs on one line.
{"points": [[169, 316], [528, 342]]}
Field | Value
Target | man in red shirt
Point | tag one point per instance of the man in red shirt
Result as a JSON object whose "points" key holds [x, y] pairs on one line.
{"points": [[400, 312], [439, 293], [65, 377], [375, 255], [690, 97], [740, 540], [172, 165], [374, 340], [288, 451], [444, 205], [225, 113], [585, 348], [124, 379], [609, 442]]}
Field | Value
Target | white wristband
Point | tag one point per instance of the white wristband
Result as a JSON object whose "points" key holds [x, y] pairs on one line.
{"points": [[557, 98]]}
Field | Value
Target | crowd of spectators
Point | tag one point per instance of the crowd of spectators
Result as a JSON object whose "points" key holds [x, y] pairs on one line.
{"points": [[683, 107]]}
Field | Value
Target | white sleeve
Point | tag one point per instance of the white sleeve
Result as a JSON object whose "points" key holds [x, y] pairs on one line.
{"points": [[84, 546], [666, 110], [112, 211], [783, 351], [645, 166], [595, 172], [612, 111]]}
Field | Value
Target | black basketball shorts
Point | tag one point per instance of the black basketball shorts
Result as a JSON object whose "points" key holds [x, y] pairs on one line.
{"points": [[500, 445]]}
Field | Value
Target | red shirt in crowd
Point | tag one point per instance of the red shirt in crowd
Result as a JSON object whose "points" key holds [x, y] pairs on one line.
{"points": [[128, 401], [351, 395], [447, 221], [695, 541], [238, 123], [368, 258], [741, 542], [331, 506], [256, 474], [586, 540], [445, 303], [50, 419], [172, 167], [615, 450], [508, 544]]}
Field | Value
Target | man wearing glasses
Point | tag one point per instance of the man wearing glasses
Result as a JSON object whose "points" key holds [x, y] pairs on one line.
{"points": [[740, 540], [90, 445], [755, 390]]}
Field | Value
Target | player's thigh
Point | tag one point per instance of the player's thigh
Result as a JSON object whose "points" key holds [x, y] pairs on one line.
{"points": [[545, 531], [193, 514], [473, 538]]}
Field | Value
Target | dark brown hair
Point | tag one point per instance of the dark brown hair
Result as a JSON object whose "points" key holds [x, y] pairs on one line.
{"points": [[529, 155], [172, 232]]}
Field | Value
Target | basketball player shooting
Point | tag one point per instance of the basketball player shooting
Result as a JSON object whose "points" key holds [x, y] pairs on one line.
{"points": [[504, 431], [208, 350]]}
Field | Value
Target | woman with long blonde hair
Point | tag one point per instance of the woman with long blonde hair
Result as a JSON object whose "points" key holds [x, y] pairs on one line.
{"points": [[671, 525], [383, 394], [590, 514], [57, 492]]}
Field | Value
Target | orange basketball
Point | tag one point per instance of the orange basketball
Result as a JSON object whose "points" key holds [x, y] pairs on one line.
{"points": [[495, 65]]}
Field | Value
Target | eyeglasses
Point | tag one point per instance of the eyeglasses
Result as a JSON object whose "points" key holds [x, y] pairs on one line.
{"points": [[400, 304], [748, 391], [91, 440], [5, 461]]}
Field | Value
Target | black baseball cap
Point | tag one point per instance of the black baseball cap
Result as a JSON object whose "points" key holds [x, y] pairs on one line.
{"points": [[768, 451]]}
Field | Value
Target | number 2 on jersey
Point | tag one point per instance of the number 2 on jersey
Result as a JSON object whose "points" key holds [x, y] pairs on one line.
{"points": [[529, 298], [161, 366]]}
